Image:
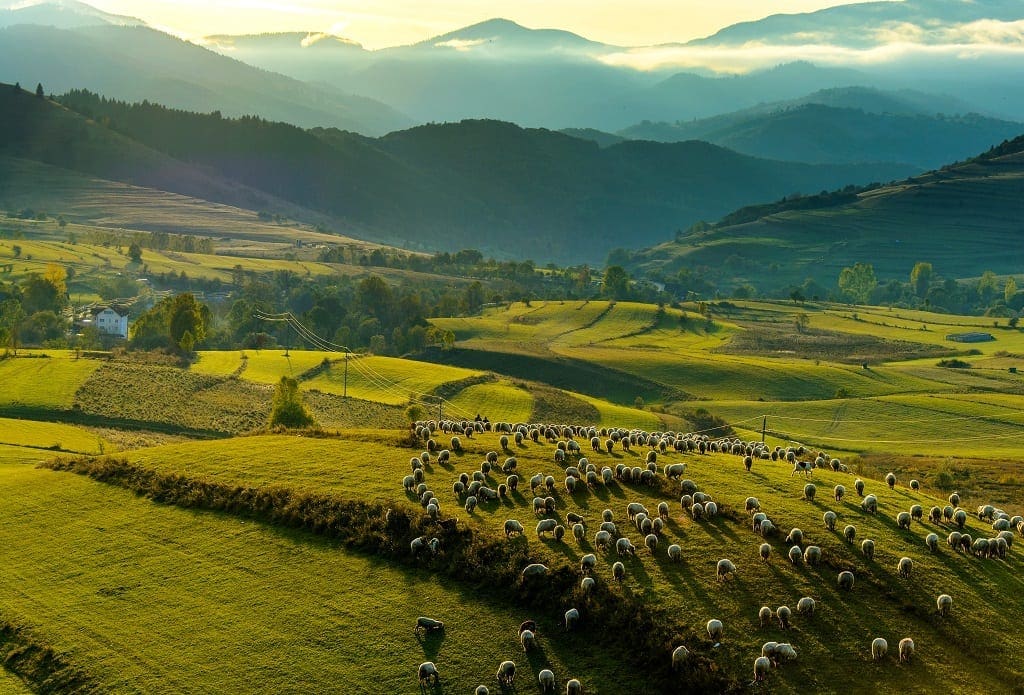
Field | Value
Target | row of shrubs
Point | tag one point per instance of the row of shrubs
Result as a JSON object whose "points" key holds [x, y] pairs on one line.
{"points": [[647, 635], [38, 665]]}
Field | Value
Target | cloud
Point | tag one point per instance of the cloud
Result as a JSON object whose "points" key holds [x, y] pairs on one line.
{"points": [[461, 44]]}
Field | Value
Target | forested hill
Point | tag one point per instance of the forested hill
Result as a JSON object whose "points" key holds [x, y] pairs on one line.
{"points": [[506, 190], [965, 218]]}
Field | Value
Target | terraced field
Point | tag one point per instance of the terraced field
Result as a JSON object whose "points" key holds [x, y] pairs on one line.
{"points": [[836, 637], [224, 601], [43, 382]]}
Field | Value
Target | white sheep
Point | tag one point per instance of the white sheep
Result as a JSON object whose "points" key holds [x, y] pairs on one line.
{"points": [[572, 616], [796, 556], [765, 552], [679, 656], [764, 615], [783, 614], [838, 491], [724, 569], [906, 649], [904, 567], [546, 678], [427, 672], [624, 547], [482, 690], [890, 479], [546, 526], [715, 629], [573, 687], [869, 504], [809, 491], [846, 580], [932, 541], [675, 552], [762, 665], [506, 673], [513, 527], [587, 585], [534, 570], [945, 604], [805, 606], [903, 520], [850, 532], [527, 639], [879, 647], [618, 571]]}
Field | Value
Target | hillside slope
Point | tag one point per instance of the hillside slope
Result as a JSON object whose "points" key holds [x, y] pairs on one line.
{"points": [[964, 219], [478, 184]]}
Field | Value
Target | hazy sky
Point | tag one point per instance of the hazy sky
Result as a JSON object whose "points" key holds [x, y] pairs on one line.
{"points": [[380, 23]]}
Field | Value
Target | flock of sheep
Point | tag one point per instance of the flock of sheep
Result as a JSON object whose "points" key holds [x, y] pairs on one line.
{"points": [[472, 490]]}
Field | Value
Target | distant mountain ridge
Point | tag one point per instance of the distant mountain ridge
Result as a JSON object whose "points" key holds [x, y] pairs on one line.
{"points": [[508, 191], [63, 14]]}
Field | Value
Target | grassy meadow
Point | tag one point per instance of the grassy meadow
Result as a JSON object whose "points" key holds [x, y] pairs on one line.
{"points": [[368, 466]]}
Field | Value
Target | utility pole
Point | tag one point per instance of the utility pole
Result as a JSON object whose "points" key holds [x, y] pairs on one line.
{"points": [[345, 387], [764, 426]]}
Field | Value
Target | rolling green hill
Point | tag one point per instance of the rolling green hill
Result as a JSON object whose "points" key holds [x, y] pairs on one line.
{"points": [[964, 218], [473, 184]]}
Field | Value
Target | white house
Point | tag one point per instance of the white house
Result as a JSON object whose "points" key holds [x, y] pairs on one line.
{"points": [[111, 320]]}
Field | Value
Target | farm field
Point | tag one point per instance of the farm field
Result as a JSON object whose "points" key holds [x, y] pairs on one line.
{"points": [[43, 382], [51, 435], [837, 635], [217, 614]]}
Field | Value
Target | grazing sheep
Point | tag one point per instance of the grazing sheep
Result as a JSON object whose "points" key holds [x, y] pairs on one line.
{"points": [[570, 485], [796, 556], [752, 505], [830, 519], [906, 649], [795, 537], [587, 563], [715, 630], [932, 541], [503, 441], [651, 541], [890, 480], [935, 515], [867, 547], [624, 547], [572, 616], [559, 532], [527, 639], [809, 491], [675, 552], [960, 518], [766, 529], [905, 566], [903, 520], [805, 467], [607, 515], [534, 570], [945, 604], [954, 540], [679, 656], [758, 519], [418, 545], [546, 526], [870, 504], [812, 555], [948, 512], [471, 503], [512, 528], [954, 499], [850, 532], [697, 511], [601, 539], [846, 580], [724, 569], [587, 585], [427, 672], [762, 665], [783, 614], [838, 491], [858, 485], [765, 552], [579, 532], [710, 510], [663, 510], [549, 505], [916, 512], [805, 606], [409, 483], [549, 482], [506, 673], [428, 625], [879, 647], [482, 690], [915, 485], [764, 615], [618, 571]]}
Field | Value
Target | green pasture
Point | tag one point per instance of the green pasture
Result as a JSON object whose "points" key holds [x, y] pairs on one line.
{"points": [[43, 382], [52, 435], [223, 602], [389, 380], [498, 401], [835, 638]]}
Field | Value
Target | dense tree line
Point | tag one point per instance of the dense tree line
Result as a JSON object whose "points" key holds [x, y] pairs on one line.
{"points": [[32, 311]]}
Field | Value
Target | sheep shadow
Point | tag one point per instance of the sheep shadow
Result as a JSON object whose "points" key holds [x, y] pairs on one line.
{"points": [[430, 643]]}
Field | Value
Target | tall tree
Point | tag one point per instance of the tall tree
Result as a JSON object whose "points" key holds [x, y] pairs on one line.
{"points": [[288, 409], [39, 90], [858, 281], [1009, 289], [615, 284], [11, 316], [921, 278]]}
